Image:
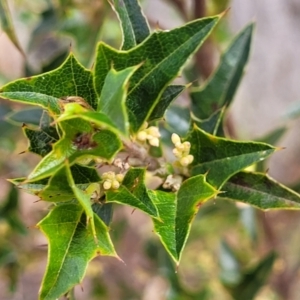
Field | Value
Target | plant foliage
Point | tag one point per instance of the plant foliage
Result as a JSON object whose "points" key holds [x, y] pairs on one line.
{"points": [[107, 117]]}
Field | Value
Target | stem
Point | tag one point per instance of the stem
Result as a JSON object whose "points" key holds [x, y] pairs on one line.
{"points": [[204, 56]]}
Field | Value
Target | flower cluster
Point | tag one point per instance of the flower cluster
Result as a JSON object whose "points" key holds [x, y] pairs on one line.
{"points": [[182, 151], [151, 134], [112, 180]]}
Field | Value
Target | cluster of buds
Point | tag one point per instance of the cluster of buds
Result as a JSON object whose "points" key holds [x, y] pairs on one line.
{"points": [[112, 180], [151, 134], [182, 151]]}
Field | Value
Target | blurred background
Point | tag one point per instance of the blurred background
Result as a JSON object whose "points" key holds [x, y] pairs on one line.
{"points": [[229, 254]]}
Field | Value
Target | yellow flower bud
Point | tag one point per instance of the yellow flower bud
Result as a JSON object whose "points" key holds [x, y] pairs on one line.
{"points": [[184, 161], [115, 184], [190, 158], [107, 185], [177, 153], [175, 139], [142, 136], [154, 142], [120, 177]]}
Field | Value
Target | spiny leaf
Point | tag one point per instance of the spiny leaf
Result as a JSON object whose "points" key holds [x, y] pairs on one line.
{"points": [[76, 111], [79, 139], [261, 191], [172, 49], [133, 192], [221, 158], [45, 90], [58, 188], [113, 96], [169, 95], [71, 247], [177, 212], [41, 141], [134, 25], [221, 86]]}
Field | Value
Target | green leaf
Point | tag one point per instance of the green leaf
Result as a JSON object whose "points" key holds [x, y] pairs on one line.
{"points": [[254, 279], [172, 49], [134, 25], [76, 111], [83, 198], [177, 211], [261, 191], [79, 139], [58, 188], [41, 141], [113, 96], [178, 120], [28, 116], [221, 158], [7, 25], [71, 247], [169, 95], [213, 124], [222, 85], [133, 192], [45, 90], [104, 211]]}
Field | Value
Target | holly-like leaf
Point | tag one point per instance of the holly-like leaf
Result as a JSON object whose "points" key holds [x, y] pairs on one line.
{"points": [[261, 191], [169, 95], [76, 111], [113, 96], [71, 247], [58, 188], [172, 49], [133, 192], [134, 25], [45, 90], [221, 158], [104, 211], [221, 86], [177, 211], [41, 141], [79, 139]]}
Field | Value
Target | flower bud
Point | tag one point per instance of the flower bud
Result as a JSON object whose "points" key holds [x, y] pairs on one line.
{"points": [[115, 184], [175, 139], [154, 142], [107, 185], [142, 136], [120, 177]]}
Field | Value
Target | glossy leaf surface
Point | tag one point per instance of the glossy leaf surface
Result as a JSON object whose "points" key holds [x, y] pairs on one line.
{"points": [[172, 49], [221, 86], [134, 25], [177, 212], [71, 247], [221, 158], [261, 191]]}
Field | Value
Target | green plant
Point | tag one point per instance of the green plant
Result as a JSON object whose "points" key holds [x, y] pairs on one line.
{"points": [[107, 119]]}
